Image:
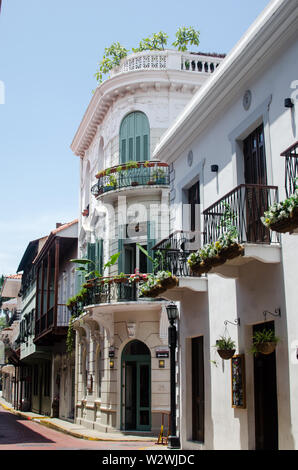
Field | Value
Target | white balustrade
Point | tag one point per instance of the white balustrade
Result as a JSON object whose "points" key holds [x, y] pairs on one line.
{"points": [[167, 60]]}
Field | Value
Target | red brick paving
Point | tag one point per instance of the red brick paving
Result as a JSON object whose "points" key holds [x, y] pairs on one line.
{"points": [[17, 433]]}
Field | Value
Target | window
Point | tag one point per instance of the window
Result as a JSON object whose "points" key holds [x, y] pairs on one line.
{"points": [[134, 138]]}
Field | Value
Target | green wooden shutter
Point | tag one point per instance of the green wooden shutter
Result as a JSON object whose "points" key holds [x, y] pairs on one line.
{"points": [[99, 256], [121, 259], [150, 243], [134, 138]]}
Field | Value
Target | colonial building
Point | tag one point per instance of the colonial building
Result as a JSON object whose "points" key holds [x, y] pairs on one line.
{"points": [[124, 194], [232, 154]]}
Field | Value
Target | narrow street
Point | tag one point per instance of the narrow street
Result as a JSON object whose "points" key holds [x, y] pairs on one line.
{"points": [[18, 433]]}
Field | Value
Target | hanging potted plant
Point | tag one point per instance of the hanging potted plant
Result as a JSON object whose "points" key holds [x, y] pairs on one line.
{"points": [[225, 347], [264, 341]]}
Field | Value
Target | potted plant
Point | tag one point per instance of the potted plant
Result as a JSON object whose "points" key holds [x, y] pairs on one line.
{"points": [[166, 279], [282, 217], [225, 347], [264, 341]]}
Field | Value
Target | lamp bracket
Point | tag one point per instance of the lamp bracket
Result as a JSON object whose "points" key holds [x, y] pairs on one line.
{"points": [[276, 314], [235, 322]]}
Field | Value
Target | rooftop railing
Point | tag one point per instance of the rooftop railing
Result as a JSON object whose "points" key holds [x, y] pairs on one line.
{"points": [[169, 60]]}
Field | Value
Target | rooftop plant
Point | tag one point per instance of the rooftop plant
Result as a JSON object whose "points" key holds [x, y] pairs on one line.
{"points": [[185, 36]]}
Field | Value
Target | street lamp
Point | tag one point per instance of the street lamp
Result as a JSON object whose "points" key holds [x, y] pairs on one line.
{"points": [[172, 311]]}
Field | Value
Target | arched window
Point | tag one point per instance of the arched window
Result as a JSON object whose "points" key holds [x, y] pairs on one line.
{"points": [[134, 138]]}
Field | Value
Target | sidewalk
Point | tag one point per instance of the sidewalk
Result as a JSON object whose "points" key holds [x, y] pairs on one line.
{"points": [[79, 431]]}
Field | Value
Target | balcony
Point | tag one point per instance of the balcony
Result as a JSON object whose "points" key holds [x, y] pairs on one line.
{"points": [[168, 60], [246, 205], [171, 254], [131, 175], [291, 168]]}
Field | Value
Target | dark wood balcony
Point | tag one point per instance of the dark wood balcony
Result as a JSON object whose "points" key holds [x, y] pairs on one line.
{"points": [[51, 318]]}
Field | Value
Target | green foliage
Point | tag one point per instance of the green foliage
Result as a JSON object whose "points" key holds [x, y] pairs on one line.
{"points": [[281, 210], [111, 59], [156, 42], [186, 36], [264, 336], [3, 323], [224, 343]]}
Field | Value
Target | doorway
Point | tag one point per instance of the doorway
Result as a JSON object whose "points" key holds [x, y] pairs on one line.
{"points": [[136, 387], [265, 394], [198, 392], [255, 173], [194, 203]]}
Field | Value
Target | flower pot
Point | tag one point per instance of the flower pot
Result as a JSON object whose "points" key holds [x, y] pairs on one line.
{"points": [[266, 347], [135, 183], [150, 183], [162, 164], [287, 224], [232, 251], [200, 268], [226, 353], [170, 282]]}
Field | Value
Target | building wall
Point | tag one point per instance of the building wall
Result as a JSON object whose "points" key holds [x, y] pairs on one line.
{"points": [[258, 286]]}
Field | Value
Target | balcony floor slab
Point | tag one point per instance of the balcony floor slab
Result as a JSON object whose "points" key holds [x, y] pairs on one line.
{"points": [[269, 254]]}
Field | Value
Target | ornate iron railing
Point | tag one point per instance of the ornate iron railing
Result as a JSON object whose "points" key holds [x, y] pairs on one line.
{"points": [[291, 168], [246, 205], [106, 290], [131, 174], [171, 253]]}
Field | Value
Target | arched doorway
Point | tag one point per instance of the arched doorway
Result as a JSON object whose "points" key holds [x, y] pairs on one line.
{"points": [[136, 387]]}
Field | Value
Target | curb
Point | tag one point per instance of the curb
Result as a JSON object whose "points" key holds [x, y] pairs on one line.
{"points": [[45, 421]]}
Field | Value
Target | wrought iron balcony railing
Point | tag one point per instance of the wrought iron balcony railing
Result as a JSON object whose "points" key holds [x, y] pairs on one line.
{"points": [[105, 290], [171, 253], [291, 168], [243, 208], [131, 174]]}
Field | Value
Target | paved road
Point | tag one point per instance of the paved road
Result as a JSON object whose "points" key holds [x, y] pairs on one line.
{"points": [[18, 433]]}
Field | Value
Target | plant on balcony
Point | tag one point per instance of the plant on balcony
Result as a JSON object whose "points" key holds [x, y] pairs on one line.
{"points": [[186, 36], [264, 341], [226, 247], [159, 176], [158, 283], [225, 347], [282, 217], [154, 43], [111, 59]]}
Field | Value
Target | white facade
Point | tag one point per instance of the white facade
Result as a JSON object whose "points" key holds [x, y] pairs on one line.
{"points": [[247, 91], [155, 85]]}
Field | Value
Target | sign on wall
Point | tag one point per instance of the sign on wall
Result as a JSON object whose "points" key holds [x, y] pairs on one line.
{"points": [[238, 381]]}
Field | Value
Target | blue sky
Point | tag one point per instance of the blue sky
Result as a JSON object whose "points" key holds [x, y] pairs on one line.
{"points": [[49, 51]]}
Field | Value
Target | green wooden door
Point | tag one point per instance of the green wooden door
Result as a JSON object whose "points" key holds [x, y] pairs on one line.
{"points": [[136, 391]]}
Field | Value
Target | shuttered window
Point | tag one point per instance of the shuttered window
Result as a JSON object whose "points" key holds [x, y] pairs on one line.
{"points": [[134, 138]]}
